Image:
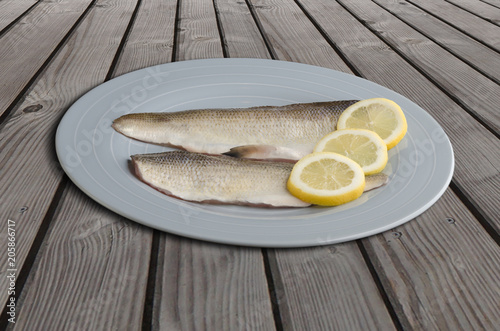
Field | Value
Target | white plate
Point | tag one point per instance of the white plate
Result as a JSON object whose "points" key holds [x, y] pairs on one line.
{"points": [[96, 158]]}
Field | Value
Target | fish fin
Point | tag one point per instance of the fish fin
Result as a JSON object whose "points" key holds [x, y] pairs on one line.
{"points": [[375, 181], [251, 151], [264, 152]]}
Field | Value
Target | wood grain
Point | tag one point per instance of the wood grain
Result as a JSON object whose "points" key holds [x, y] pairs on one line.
{"points": [[151, 39], [205, 286], [473, 25], [378, 63], [198, 34], [482, 9], [92, 262], [373, 59], [327, 288], [304, 43], [29, 44], [10, 10], [30, 171], [91, 270], [318, 288], [440, 270], [241, 34], [479, 94], [476, 54], [495, 3]]}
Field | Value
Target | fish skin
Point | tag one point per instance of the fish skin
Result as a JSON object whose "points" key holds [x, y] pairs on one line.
{"points": [[222, 179], [286, 132]]}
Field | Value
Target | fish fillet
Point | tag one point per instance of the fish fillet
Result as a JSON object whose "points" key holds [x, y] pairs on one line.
{"points": [[223, 179], [266, 132]]}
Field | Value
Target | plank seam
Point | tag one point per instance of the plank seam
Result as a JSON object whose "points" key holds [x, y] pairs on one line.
{"points": [[466, 108], [454, 26], [330, 42], [448, 49], [220, 28], [123, 42], [478, 213], [380, 287], [30, 259], [261, 29], [147, 316], [278, 321], [177, 22], [472, 13], [9, 110], [14, 22], [491, 4]]}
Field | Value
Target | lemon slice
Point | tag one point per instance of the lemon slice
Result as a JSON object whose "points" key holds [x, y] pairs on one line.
{"points": [[326, 179], [381, 115], [363, 146]]}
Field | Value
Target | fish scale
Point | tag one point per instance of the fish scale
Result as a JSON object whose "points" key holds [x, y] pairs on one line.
{"points": [[263, 132], [223, 179]]}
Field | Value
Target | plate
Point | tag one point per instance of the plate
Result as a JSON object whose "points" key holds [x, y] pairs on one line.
{"points": [[96, 158]]}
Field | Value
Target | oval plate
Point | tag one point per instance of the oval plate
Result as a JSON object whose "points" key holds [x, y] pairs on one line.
{"points": [[96, 158]]}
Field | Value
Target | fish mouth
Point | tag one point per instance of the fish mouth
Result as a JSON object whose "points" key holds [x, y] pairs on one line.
{"points": [[118, 125]]}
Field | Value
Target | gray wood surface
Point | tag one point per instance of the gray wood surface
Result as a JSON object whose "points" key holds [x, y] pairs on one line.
{"points": [[436, 63], [443, 265], [462, 20], [241, 34], [198, 34], [375, 61], [11, 10], [151, 39], [304, 43], [481, 9], [469, 50], [317, 305], [205, 286], [88, 266], [27, 46], [495, 3], [327, 288], [81, 266], [326, 14], [33, 177]]}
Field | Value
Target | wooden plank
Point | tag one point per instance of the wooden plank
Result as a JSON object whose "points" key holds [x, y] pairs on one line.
{"points": [[205, 286], [151, 39], [440, 270], [495, 3], [412, 298], [29, 171], [307, 280], [198, 36], [327, 288], [241, 34], [481, 9], [304, 43], [474, 26], [378, 63], [479, 94], [31, 41], [476, 54], [198, 285], [91, 272], [10, 10]]}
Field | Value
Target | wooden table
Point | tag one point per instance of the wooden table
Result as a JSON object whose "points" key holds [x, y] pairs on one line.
{"points": [[79, 266]]}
